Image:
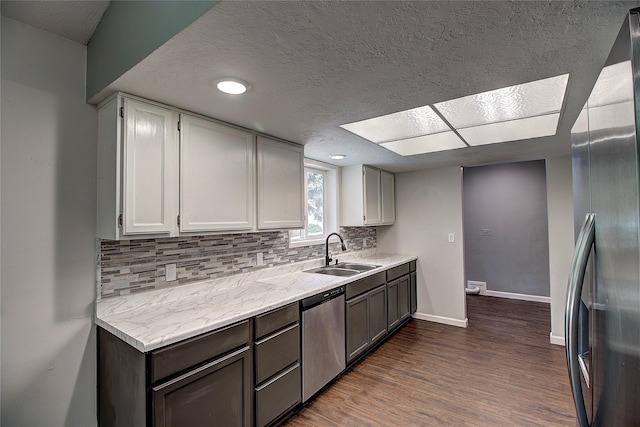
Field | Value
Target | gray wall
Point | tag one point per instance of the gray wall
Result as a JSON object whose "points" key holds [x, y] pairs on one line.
{"points": [[49, 138], [510, 200]]}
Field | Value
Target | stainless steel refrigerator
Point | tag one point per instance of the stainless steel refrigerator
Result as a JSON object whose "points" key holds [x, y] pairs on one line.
{"points": [[602, 324]]}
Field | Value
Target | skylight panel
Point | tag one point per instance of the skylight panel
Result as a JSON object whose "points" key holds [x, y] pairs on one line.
{"points": [[537, 98], [524, 111], [442, 141], [401, 125], [514, 130]]}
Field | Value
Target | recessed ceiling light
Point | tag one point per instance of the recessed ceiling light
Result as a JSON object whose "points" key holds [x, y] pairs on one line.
{"points": [[337, 156], [232, 86]]}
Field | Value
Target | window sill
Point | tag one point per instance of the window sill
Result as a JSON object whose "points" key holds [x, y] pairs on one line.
{"points": [[306, 242]]}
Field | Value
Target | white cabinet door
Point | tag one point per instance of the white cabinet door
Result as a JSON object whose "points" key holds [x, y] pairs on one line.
{"points": [[387, 197], [371, 181], [150, 156], [216, 177], [280, 185]]}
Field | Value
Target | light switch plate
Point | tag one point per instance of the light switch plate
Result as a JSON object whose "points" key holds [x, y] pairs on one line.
{"points": [[259, 258], [451, 238]]}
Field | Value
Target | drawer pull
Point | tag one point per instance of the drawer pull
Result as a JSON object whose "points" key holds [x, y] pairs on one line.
{"points": [[200, 369], [295, 325], [276, 378]]}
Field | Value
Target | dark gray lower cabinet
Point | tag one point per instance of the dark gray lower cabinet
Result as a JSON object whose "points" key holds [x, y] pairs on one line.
{"points": [[277, 364], [398, 295], [357, 328], [403, 298], [413, 291], [377, 313], [393, 316], [202, 381], [214, 394], [365, 314]]}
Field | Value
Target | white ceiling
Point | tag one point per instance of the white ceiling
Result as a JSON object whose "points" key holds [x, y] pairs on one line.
{"points": [[314, 65], [73, 20]]}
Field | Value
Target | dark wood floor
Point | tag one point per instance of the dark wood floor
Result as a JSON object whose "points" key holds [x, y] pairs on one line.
{"points": [[500, 371]]}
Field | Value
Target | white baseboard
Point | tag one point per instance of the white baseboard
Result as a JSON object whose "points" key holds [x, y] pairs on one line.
{"points": [[440, 319], [524, 297], [554, 339]]}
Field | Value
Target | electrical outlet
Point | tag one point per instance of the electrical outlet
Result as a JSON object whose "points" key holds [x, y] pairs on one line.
{"points": [[451, 238], [259, 259], [364, 242], [486, 232], [170, 272]]}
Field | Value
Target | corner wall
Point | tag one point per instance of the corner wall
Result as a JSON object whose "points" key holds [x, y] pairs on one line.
{"points": [[48, 173], [428, 208], [561, 238]]}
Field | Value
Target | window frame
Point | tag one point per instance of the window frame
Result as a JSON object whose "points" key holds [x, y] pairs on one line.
{"points": [[331, 194]]}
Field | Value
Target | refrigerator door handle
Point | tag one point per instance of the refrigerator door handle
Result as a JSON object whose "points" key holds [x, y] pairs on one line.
{"points": [[584, 243]]}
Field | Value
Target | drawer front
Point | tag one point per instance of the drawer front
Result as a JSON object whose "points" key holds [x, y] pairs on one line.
{"points": [[399, 271], [276, 352], [186, 354], [276, 319], [412, 265], [364, 285], [278, 396]]}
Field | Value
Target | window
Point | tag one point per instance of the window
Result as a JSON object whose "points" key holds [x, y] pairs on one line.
{"points": [[321, 197]]}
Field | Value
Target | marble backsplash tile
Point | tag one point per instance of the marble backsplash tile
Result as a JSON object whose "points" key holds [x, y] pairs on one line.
{"points": [[128, 266]]}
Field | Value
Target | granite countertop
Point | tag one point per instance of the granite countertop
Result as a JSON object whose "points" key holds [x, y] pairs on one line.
{"points": [[153, 319]]}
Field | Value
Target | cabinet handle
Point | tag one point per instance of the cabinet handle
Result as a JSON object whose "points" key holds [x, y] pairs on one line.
{"points": [[295, 325], [273, 380], [200, 369]]}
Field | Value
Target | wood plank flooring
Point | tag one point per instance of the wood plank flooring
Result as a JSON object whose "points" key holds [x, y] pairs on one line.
{"points": [[500, 371]]}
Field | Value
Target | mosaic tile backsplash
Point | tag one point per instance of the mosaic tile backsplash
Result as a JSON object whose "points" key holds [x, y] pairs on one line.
{"points": [[138, 265]]}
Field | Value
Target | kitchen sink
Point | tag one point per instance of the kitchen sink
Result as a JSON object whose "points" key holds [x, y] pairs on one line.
{"points": [[344, 269], [334, 271], [356, 266]]}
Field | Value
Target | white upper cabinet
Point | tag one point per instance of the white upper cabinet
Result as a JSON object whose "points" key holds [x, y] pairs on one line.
{"points": [[216, 177], [368, 196], [165, 173], [388, 197], [372, 206], [280, 185], [137, 170]]}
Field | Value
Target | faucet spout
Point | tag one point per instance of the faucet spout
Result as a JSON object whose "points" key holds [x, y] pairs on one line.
{"points": [[327, 259]]}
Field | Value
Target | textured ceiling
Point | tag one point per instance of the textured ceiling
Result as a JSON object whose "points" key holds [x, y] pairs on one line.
{"points": [[73, 20], [316, 65]]}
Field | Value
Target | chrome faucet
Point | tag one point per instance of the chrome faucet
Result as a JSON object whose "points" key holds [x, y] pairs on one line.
{"points": [[327, 259]]}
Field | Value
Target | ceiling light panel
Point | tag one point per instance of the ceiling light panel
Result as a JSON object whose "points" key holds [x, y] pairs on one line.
{"points": [[540, 97], [404, 124], [614, 85], [425, 144], [514, 130]]}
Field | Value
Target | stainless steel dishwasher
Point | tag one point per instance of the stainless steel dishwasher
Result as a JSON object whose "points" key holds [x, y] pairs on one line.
{"points": [[323, 345]]}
